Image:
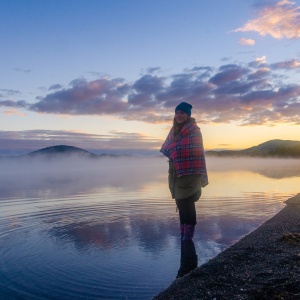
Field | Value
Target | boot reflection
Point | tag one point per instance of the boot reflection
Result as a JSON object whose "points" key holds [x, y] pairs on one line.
{"points": [[189, 258]]}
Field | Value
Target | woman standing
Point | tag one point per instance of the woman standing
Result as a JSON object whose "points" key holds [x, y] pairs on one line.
{"points": [[187, 167]]}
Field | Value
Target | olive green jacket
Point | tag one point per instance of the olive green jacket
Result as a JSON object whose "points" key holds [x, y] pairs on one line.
{"points": [[184, 186]]}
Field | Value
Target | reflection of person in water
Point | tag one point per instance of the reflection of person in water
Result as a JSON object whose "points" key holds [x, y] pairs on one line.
{"points": [[188, 259], [187, 167]]}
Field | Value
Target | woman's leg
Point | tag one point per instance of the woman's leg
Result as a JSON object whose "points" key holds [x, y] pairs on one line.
{"points": [[181, 216], [187, 211], [187, 216]]}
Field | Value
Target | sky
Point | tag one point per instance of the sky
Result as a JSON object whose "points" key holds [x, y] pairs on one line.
{"points": [[106, 75]]}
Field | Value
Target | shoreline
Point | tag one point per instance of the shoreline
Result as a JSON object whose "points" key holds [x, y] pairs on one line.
{"points": [[265, 264]]}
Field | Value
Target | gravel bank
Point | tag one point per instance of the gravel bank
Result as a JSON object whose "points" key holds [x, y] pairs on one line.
{"points": [[265, 264]]}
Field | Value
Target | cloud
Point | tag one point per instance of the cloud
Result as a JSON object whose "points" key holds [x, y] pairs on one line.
{"points": [[228, 73], [22, 70], [286, 65], [10, 92], [13, 112], [11, 103], [249, 93], [55, 87], [153, 70], [260, 73], [279, 20], [246, 42], [258, 62], [95, 97], [145, 90]]}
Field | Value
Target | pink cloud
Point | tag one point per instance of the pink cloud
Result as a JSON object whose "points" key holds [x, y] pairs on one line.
{"points": [[289, 64], [280, 20], [246, 42], [13, 112]]}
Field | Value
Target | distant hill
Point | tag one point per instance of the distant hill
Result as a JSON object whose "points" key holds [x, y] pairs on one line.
{"points": [[54, 152], [273, 148], [61, 150]]}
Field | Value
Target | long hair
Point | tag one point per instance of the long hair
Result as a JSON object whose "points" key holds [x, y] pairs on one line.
{"points": [[177, 127]]}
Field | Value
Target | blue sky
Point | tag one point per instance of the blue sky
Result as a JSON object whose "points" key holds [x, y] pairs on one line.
{"points": [[106, 75]]}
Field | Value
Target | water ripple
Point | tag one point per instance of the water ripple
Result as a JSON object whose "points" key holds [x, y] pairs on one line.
{"points": [[102, 238]]}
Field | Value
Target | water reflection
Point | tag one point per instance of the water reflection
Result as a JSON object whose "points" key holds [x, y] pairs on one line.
{"points": [[188, 258], [224, 229], [150, 235], [113, 229], [85, 236]]}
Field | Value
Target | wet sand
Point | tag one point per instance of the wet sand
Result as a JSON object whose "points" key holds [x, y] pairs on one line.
{"points": [[265, 264]]}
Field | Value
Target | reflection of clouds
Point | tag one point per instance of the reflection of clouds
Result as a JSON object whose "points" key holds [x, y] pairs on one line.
{"points": [[225, 229], [218, 233], [72, 176], [151, 235], [85, 235]]}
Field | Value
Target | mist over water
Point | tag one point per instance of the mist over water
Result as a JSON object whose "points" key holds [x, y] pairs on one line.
{"points": [[76, 174], [108, 228], [268, 167]]}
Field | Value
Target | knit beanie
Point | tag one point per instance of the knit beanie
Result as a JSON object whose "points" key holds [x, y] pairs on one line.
{"points": [[185, 107]]}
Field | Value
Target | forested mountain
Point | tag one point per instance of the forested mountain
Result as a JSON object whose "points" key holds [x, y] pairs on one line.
{"points": [[273, 148]]}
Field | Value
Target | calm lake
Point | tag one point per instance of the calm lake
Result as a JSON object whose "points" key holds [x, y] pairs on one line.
{"points": [[108, 229]]}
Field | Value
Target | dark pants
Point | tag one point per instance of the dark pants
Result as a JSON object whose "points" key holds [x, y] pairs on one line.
{"points": [[187, 209]]}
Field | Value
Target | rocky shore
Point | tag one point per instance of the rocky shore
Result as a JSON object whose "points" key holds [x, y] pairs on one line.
{"points": [[265, 264]]}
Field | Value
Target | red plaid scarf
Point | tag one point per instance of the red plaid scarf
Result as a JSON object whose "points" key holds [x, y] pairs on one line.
{"points": [[186, 151]]}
